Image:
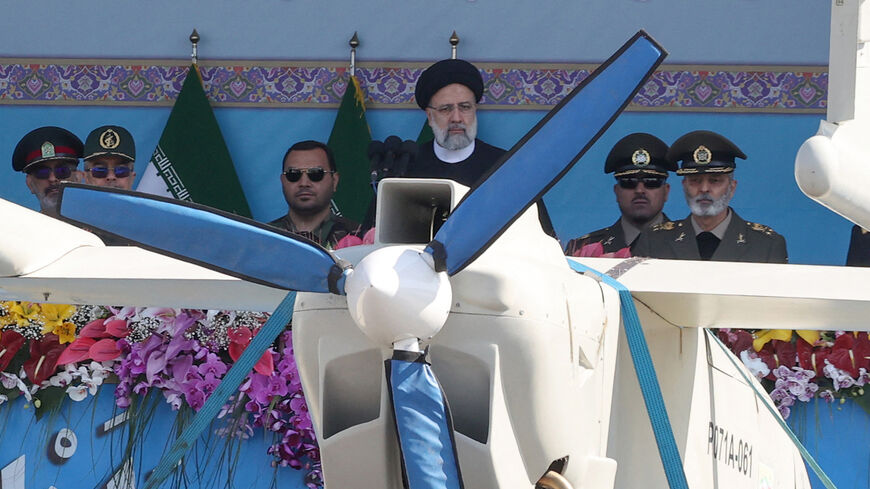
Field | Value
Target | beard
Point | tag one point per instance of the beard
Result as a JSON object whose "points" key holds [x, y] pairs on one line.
{"points": [[712, 209], [454, 141]]}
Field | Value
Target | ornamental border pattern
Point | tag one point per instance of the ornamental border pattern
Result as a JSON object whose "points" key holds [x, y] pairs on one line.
{"points": [[298, 84]]}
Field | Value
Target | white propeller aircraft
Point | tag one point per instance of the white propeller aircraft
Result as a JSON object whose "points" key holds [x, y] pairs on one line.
{"points": [[532, 356]]}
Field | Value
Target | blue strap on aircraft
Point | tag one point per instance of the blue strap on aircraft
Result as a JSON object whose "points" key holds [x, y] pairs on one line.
{"points": [[423, 424], [227, 387], [649, 382]]}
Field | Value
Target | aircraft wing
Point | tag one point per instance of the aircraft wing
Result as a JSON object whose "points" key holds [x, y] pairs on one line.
{"points": [[46, 260], [711, 294]]}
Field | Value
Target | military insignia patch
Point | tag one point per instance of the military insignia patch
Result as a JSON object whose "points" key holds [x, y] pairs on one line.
{"points": [[702, 155], [761, 228], [47, 150], [109, 139], [640, 157]]}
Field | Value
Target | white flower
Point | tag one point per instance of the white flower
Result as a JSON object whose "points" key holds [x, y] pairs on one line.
{"points": [[755, 365], [61, 379], [77, 392]]}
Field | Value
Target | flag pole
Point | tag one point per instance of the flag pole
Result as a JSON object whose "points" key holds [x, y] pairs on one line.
{"points": [[454, 41], [354, 43], [194, 39]]}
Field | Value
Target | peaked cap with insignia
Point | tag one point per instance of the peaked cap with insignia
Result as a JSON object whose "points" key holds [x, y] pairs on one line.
{"points": [[704, 152], [637, 154], [110, 140], [44, 144], [446, 72]]}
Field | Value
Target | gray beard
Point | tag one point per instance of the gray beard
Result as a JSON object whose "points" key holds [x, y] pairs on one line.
{"points": [[717, 207], [454, 141]]}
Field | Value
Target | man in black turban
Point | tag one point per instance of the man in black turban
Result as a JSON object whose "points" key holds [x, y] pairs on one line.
{"points": [[449, 91]]}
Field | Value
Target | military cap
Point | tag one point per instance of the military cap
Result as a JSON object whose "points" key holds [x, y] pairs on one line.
{"points": [[639, 153], [704, 152], [110, 140], [444, 73], [44, 144]]}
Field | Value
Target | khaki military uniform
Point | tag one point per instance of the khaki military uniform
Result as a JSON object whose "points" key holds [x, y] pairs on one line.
{"points": [[743, 241]]}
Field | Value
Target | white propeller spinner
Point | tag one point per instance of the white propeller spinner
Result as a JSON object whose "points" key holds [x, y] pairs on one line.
{"points": [[394, 295]]}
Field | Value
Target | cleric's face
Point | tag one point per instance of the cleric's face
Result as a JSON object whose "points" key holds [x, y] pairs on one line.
{"points": [[452, 114]]}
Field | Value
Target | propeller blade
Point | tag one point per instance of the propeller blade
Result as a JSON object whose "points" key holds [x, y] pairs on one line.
{"points": [[544, 155], [207, 237]]}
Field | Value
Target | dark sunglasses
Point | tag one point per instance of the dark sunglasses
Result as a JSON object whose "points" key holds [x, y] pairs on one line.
{"points": [[103, 172], [314, 174], [43, 172], [648, 182]]}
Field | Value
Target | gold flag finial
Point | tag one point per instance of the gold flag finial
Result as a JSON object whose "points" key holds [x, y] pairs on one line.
{"points": [[194, 39], [354, 43], [454, 41]]}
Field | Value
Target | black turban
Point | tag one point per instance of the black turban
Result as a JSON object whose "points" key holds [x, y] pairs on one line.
{"points": [[446, 72]]}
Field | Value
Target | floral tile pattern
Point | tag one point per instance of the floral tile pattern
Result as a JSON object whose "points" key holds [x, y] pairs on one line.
{"points": [[508, 86]]}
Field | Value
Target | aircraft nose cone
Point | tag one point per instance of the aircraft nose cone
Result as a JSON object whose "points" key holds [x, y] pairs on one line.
{"points": [[394, 294]]}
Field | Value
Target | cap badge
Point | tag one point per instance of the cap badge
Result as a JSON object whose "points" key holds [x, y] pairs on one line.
{"points": [[702, 155], [109, 139], [47, 150], [640, 157]]}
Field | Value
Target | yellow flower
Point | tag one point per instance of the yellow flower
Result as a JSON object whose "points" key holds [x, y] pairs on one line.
{"points": [[54, 315], [24, 313], [766, 335], [66, 333]]}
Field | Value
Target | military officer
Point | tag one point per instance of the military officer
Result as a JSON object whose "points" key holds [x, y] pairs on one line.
{"points": [[639, 163], [713, 230], [48, 155], [109, 156]]}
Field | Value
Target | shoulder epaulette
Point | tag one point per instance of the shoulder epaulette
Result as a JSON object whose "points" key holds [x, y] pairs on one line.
{"points": [[665, 226], [761, 228]]}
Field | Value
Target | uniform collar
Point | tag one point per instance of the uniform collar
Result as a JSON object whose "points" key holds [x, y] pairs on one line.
{"points": [[453, 155], [631, 232], [719, 230]]}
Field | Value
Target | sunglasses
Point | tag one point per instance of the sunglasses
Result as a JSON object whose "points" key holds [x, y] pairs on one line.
{"points": [[62, 172], [314, 174], [648, 182], [103, 172]]}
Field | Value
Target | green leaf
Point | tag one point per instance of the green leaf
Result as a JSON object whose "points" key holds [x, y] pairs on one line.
{"points": [[48, 400]]}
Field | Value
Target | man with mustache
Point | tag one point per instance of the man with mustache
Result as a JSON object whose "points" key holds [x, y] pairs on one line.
{"points": [[639, 163], [309, 179], [48, 155], [449, 92], [713, 231]]}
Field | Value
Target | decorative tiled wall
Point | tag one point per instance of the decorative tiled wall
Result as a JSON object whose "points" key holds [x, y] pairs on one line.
{"points": [[510, 86]]}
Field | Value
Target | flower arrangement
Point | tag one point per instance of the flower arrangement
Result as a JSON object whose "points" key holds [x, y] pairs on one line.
{"points": [[797, 366], [50, 352]]}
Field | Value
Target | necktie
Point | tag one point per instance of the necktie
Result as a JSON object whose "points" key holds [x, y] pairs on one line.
{"points": [[707, 244]]}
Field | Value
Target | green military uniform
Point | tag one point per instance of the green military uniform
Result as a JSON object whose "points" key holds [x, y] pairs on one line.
{"points": [[743, 241], [612, 239], [328, 234]]}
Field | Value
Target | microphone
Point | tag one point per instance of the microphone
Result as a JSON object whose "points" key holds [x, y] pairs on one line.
{"points": [[408, 153], [376, 154]]}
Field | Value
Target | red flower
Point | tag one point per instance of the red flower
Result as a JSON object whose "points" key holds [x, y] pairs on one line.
{"points": [[240, 338], [778, 353], [850, 352], [10, 343], [76, 351], [44, 355], [812, 358]]}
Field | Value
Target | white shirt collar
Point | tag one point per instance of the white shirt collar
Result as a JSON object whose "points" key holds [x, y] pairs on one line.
{"points": [[453, 155]]}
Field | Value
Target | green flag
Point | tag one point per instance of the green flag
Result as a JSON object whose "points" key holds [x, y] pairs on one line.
{"points": [[191, 161], [349, 142], [426, 133]]}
